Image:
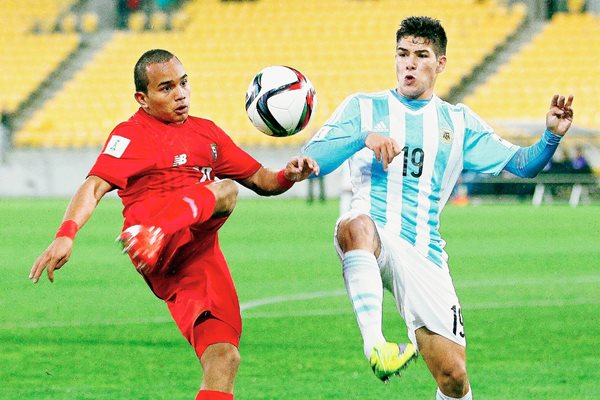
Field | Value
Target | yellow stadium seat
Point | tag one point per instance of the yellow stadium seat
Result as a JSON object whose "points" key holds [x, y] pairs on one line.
{"points": [[89, 22], [179, 20], [137, 21], [158, 21], [68, 23]]}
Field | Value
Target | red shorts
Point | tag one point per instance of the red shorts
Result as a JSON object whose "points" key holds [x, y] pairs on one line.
{"points": [[196, 285], [193, 278], [211, 330]]}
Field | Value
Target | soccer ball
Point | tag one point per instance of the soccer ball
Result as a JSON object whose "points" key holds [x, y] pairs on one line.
{"points": [[280, 101]]}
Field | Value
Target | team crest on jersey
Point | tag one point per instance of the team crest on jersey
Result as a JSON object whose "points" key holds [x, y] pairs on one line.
{"points": [[180, 160], [213, 147], [446, 136]]}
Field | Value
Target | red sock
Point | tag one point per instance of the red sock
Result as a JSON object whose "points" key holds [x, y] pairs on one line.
{"points": [[189, 206], [212, 395]]}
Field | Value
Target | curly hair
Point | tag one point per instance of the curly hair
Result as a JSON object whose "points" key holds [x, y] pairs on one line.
{"points": [[424, 27]]}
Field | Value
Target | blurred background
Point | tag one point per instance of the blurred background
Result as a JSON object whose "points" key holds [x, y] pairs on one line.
{"points": [[67, 77]]}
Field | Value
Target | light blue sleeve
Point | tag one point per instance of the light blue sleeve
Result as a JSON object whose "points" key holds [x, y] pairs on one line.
{"points": [[530, 161], [339, 138], [483, 150]]}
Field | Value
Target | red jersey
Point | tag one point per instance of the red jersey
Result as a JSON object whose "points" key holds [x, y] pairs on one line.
{"points": [[148, 160], [145, 158]]}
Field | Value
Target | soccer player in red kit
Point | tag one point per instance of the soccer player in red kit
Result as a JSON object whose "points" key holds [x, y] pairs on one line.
{"points": [[175, 175]]}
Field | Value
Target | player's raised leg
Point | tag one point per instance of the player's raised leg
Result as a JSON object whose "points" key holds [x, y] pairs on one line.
{"points": [[192, 205], [359, 243], [447, 362], [196, 204]]}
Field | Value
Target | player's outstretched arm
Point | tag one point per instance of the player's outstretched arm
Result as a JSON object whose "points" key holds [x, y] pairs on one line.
{"points": [[78, 212], [560, 115], [267, 182], [529, 161]]}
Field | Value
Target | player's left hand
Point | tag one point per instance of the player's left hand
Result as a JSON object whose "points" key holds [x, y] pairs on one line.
{"points": [[53, 258], [560, 115], [301, 167]]}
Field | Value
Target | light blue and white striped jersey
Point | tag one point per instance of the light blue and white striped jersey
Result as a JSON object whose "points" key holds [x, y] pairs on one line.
{"points": [[438, 141]]}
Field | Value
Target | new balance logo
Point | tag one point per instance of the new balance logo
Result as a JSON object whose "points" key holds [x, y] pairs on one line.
{"points": [[180, 160], [380, 127]]}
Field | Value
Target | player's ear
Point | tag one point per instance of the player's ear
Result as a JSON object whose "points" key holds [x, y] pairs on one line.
{"points": [[140, 97], [441, 64]]}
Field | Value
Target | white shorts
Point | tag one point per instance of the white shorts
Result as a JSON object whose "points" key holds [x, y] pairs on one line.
{"points": [[423, 291]]}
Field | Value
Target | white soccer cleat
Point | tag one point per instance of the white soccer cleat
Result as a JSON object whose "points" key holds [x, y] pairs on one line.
{"points": [[143, 244]]}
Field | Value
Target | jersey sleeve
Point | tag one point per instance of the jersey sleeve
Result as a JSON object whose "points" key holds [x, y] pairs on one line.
{"points": [[125, 154], [233, 162], [340, 137], [484, 150]]}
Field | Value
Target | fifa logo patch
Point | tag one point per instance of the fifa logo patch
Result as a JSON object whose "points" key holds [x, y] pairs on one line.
{"points": [[446, 136], [116, 146], [180, 160], [213, 147]]}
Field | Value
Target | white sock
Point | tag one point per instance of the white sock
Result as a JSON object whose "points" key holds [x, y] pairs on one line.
{"points": [[441, 396], [364, 287]]}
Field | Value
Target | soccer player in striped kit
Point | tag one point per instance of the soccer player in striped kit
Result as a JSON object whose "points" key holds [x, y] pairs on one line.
{"points": [[406, 148]]}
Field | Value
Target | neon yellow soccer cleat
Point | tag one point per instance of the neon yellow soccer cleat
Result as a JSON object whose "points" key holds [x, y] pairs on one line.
{"points": [[389, 359]]}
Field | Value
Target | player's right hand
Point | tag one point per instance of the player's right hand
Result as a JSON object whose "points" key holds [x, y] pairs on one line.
{"points": [[385, 148], [53, 258], [300, 168]]}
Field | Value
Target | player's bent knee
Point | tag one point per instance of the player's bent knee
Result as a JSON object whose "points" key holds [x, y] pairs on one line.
{"points": [[453, 380], [226, 193], [357, 232]]}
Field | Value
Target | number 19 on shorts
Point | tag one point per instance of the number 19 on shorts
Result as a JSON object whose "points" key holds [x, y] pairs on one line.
{"points": [[458, 327]]}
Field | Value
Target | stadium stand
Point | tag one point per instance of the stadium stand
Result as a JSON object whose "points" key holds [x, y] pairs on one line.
{"points": [[28, 58], [562, 58], [23, 16], [343, 46]]}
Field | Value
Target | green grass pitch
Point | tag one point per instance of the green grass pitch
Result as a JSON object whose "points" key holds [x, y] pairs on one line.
{"points": [[528, 279]]}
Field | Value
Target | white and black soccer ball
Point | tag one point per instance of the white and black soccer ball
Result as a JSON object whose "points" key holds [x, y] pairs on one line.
{"points": [[280, 101]]}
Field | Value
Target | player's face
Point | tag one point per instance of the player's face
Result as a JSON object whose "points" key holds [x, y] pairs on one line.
{"points": [[417, 67], [168, 97]]}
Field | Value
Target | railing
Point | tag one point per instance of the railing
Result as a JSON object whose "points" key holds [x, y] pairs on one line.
{"points": [[580, 185]]}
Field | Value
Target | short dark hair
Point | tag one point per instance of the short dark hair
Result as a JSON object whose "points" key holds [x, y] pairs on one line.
{"points": [[424, 27], [154, 56]]}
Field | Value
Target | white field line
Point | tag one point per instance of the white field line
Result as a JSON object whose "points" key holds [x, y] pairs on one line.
{"points": [[253, 304], [467, 306], [249, 305]]}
